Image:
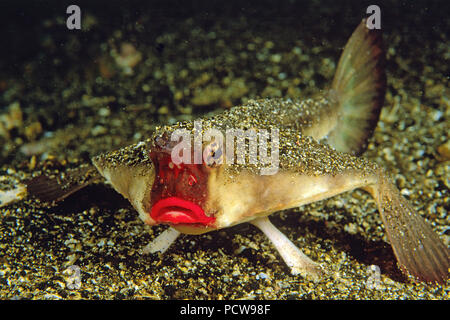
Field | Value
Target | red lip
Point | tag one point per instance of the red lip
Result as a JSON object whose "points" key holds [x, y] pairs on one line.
{"points": [[176, 210]]}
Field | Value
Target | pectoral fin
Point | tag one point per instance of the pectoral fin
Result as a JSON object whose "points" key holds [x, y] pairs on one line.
{"points": [[52, 189]]}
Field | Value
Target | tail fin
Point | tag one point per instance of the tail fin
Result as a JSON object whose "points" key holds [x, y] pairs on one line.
{"points": [[418, 249], [359, 85]]}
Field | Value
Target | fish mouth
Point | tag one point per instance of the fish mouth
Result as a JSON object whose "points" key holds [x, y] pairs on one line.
{"points": [[175, 210]]}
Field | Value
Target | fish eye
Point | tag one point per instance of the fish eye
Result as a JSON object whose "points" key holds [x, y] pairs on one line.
{"points": [[213, 155]]}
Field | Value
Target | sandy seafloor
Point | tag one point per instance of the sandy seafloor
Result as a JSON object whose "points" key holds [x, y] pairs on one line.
{"points": [[68, 95]]}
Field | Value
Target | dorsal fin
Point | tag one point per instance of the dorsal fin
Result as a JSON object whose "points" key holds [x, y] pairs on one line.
{"points": [[359, 86]]}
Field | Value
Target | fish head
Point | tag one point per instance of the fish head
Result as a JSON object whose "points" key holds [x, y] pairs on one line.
{"points": [[162, 191]]}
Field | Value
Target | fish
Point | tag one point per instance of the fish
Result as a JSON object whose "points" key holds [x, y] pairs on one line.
{"points": [[188, 177]]}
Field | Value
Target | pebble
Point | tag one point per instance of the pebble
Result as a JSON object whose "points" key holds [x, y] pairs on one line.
{"points": [[98, 130], [163, 110], [261, 275], [444, 150], [104, 112], [351, 228], [276, 58]]}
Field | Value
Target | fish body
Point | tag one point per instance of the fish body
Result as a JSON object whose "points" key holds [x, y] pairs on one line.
{"points": [[195, 197], [308, 171], [292, 152]]}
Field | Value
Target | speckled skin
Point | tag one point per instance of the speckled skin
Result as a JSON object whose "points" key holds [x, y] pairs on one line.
{"points": [[297, 119]]}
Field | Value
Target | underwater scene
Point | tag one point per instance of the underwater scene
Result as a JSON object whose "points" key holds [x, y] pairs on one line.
{"points": [[224, 150]]}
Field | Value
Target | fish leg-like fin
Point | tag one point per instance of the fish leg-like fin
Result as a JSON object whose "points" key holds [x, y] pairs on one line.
{"points": [[52, 189], [418, 249], [299, 263], [49, 190], [162, 242]]}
